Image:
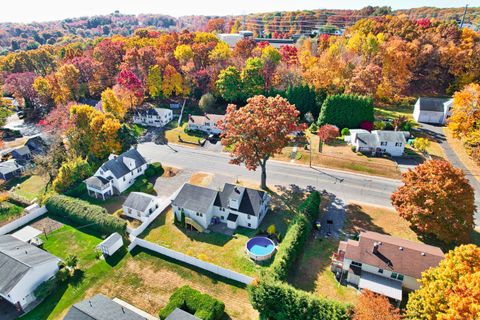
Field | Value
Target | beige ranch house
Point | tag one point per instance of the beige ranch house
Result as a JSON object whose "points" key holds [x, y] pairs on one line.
{"points": [[206, 123], [384, 264]]}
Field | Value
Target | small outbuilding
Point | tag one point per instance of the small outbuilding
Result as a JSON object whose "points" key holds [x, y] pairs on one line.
{"points": [[432, 110], [111, 244]]}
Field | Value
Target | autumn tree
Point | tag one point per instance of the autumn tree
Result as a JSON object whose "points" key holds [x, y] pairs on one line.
{"points": [[373, 306], [421, 144], [259, 130], [68, 77], [130, 88], [111, 103], [465, 116], [71, 173], [229, 84], [154, 82], [326, 134], [437, 199], [253, 81], [173, 83], [50, 162], [20, 85], [451, 290]]}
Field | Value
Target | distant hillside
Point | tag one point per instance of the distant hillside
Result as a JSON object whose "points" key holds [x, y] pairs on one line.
{"points": [[15, 36]]}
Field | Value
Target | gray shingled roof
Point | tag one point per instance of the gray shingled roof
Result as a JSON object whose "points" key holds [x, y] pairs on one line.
{"points": [[9, 166], [100, 307], [95, 181], [22, 151], [138, 201], [391, 136], [179, 314], [118, 167], [195, 198], [250, 203], [16, 259], [432, 104], [366, 139]]}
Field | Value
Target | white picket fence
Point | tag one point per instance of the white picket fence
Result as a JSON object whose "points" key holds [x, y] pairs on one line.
{"points": [[226, 273], [34, 212]]}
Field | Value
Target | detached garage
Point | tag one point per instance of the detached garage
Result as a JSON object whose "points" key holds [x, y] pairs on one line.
{"points": [[432, 110]]}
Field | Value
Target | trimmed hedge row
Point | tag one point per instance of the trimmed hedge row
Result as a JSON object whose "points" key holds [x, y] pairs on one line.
{"points": [[83, 213], [276, 300], [296, 236], [201, 305], [346, 111]]}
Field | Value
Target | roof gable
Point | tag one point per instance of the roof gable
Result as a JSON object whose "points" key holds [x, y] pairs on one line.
{"points": [[432, 104], [117, 165], [138, 201], [195, 198]]}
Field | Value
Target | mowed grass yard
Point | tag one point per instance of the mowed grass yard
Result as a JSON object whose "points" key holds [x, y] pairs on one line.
{"points": [[217, 248], [142, 279], [32, 187], [174, 133], [340, 156], [313, 268]]}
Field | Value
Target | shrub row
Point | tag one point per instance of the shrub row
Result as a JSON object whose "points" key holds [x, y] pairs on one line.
{"points": [[276, 300], [154, 170], [201, 305], [346, 110], [80, 212], [296, 236]]}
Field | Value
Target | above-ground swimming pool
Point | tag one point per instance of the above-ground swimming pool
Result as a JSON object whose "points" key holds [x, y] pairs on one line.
{"points": [[260, 248]]}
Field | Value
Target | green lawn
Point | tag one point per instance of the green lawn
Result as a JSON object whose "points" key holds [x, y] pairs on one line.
{"points": [[9, 212], [143, 279], [220, 249], [312, 272], [394, 112], [31, 188], [62, 242], [173, 134]]}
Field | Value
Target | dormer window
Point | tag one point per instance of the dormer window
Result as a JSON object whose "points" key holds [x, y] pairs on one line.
{"points": [[383, 143]]}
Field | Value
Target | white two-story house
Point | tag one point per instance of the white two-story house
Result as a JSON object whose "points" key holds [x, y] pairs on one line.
{"points": [[140, 206], [234, 205], [116, 175], [384, 264], [380, 142], [153, 117], [23, 267], [206, 123]]}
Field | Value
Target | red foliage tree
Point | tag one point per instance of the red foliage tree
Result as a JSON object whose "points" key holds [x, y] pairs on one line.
{"points": [[438, 200], [259, 130], [367, 125], [289, 54], [326, 134], [372, 306]]}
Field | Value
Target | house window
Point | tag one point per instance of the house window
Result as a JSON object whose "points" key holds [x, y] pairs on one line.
{"points": [[398, 144], [248, 217], [383, 143], [400, 277], [138, 170], [397, 276], [123, 178], [223, 218], [355, 263], [380, 270], [249, 225]]}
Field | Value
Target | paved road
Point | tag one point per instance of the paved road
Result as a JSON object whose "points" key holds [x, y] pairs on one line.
{"points": [[344, 185], [438, 134]]}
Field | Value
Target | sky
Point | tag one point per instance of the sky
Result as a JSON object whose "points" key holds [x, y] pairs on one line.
{"points": [[48, 10]]}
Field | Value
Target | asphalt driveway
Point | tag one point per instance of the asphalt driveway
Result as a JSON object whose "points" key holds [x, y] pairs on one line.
{"points": [[437, 133]]}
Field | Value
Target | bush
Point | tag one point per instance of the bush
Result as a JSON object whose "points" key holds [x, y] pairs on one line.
{"points": [[296, 236], [71, 173], [154, 170], [78, 191], [206, 102], [345, 132], [142, 185], [201, 305], [276, 300], [313, 128], [379, 125], [346, 110], [366, 125], [82, 213]]}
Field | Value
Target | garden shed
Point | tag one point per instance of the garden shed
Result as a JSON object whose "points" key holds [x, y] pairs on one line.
{"points": [[111, 244]]}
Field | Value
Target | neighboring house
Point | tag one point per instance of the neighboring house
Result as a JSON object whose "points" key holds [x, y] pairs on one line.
{"points": [[384, 264], [432, 110], [234, 205], [116, 175], [206, 123], [23, 267], [179, 314], [22, 154], [10, 169], [154, 117], [380, 142], [37, 145], [100, 307], [353, 133], [140, 205], [111, 244]]}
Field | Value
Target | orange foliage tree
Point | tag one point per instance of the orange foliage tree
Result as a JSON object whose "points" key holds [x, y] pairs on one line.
{"points": [[372, 306], [259, 130], [437, 199], [450, 291]]}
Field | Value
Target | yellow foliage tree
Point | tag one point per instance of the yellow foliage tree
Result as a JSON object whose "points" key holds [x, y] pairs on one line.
{"points": [[451, 290], [111, 103]]}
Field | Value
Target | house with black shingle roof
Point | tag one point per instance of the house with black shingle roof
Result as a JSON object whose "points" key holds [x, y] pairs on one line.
{"points": [[117, 174], [234, 205], [23, 267]]}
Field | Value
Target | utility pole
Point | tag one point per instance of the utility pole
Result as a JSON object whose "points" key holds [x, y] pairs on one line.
{"points": [[463, 18]]}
